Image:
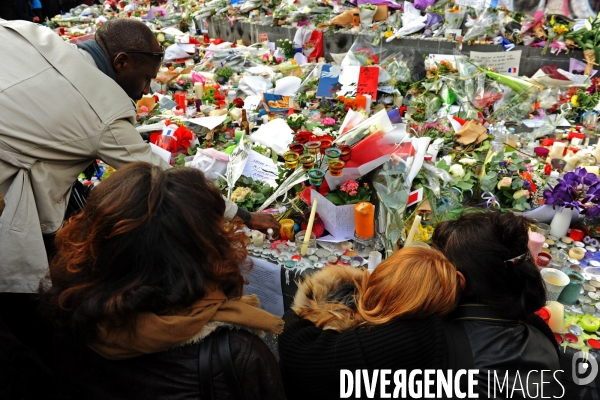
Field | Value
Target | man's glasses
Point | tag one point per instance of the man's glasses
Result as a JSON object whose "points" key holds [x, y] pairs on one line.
{"points": [[160, 54]]}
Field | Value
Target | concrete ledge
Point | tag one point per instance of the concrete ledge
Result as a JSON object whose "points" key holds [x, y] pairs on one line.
{"points": [[412, 48]]}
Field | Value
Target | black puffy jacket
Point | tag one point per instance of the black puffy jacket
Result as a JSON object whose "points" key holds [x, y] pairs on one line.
{"points": [[515, 359], [171, 374]]}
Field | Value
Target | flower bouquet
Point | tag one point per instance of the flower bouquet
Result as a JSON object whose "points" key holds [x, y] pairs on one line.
{"points": [[366, 12], [287, 46], [248, 193], [579, 190], [509, 182], [295, 121]]}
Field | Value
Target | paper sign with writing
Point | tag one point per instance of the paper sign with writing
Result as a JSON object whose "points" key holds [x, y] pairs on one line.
{"points": [[329, 81], [368, 81], [478, 4], [338, 220], [263, 37], [348, 80], [260, 168], [505, 62]]}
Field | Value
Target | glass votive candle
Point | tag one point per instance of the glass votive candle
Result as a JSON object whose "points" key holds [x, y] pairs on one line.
{"points": [[312, 243], [297, 147], [346, 152], [544, 229], [336, 168], [307, 162], [315, 176], [291, 159], [313, 147], [325, 144], [333, 154], [287, 229]]}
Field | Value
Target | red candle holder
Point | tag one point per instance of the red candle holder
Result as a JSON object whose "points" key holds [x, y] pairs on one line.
{"points": [[346, 152], [325, 144], [297, 147], [577, 235], [179, 98]]}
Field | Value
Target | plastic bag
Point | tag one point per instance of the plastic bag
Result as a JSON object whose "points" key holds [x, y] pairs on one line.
{"points": [[212, 162], [394, 68]]}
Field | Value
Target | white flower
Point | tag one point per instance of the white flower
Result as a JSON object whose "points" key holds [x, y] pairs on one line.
{"points": [[520, 193], [239, 194], [294, 117], [467, 161], [310, 94], [504, 182], [457, 170]]}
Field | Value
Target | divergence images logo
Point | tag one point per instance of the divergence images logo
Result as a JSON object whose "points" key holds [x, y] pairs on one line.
{"points": [[581, 368]]}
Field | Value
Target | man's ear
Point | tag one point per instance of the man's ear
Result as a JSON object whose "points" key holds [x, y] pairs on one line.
{"points": [[122, 62], [462, 282]]}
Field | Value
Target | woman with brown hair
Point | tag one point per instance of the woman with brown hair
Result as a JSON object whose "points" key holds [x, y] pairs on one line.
{"points": [[146, 288], [345, 318]]}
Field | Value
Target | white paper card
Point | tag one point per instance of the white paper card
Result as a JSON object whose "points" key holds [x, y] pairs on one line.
{"points": [[338, 220], [265, 282], [251, 103], [208, 122], [188, 48], [275, 134], [164, 154], [505, 62], [260, 168]]}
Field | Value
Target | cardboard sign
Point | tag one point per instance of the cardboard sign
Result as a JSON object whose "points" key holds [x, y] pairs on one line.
{"points": [[505, 62], [329, 81], [263, 38], [368, 81]]}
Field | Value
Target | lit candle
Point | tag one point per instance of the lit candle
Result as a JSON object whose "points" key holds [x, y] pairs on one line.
{"points": [[364, 219], [413, 230], [557, 316], [199, 89]]}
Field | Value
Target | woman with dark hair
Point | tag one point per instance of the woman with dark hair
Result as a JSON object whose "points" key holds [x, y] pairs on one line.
{"points": [[146, 288], [503, 290]]}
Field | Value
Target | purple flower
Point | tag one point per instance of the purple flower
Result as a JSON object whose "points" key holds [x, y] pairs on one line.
{"points": [[423, 4]]}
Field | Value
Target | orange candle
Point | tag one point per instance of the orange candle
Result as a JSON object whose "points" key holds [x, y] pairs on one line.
{"points": [[361, 102], [364, 219]]}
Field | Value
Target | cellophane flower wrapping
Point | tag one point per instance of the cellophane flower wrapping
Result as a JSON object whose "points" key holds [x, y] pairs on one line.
{"points": [[488, 25], [392, 184], [363, 53]]}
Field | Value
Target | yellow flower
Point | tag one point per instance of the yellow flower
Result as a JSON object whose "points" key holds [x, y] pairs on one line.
{"points": [[560, 29], [574, 101], [388, 34]]}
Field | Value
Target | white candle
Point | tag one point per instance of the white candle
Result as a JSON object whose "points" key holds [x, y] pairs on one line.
{"points": [[257, 238], [311, 221], [557, 316], [557, 150], [199, 89], [374, 260], [597, 152]]}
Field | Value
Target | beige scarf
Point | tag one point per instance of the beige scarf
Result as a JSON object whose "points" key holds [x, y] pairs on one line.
{"points": [[155, 333]]}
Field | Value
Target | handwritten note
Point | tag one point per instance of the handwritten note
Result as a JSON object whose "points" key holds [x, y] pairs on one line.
{"points": [[479, 4], [505, 62], [367, 81], [338, 220], [260, 168], [264, 280]]}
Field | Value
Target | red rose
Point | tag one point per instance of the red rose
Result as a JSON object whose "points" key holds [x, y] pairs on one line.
{"points": [[239, 103], [304, 137]]}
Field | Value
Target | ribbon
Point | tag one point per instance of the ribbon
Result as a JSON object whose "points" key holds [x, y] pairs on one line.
{"points": [[491, 200], [231, 20]]}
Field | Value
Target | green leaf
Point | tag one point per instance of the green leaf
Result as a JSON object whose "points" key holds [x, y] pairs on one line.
{"points": [[335, 199], [464, 185]]}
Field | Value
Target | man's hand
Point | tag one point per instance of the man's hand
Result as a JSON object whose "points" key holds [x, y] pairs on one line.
{"points": [[262, 222]]}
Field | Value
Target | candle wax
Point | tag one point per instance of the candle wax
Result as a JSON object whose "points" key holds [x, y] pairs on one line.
{"points": [[557, 315]]}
